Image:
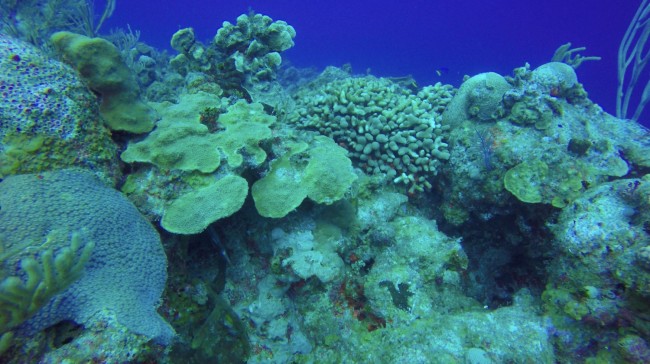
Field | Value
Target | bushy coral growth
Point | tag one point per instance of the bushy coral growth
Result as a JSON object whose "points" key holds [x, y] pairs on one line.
{"points": [[387, 129]]}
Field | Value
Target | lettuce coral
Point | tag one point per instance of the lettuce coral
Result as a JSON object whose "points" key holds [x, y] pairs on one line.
{"points": [[180, 141], [324, 176], [194, 211], [246, 125]]}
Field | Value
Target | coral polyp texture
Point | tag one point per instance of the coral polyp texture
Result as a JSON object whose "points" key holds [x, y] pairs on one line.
{"points": [[48, 117], [387, 129], [43, 91], [46, 224], [194, 211]]}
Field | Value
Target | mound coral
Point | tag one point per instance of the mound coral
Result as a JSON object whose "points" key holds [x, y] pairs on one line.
{"points": [[123, 262]]}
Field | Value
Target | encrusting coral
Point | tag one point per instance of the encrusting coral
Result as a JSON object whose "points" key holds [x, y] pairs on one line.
{"points": [[48, 119]]}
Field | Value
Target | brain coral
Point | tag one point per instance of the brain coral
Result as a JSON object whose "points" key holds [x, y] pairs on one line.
{"points": [[126, 272], [48, 117]]}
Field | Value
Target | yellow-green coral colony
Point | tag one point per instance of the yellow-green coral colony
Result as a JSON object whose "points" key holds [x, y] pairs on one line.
{"points": [[101, 65], [325, 179], [181, 142], [194, 211], [355, 182], [246, 125]]}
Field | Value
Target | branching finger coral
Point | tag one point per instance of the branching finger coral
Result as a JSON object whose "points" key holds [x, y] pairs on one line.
{"points": [[38, 277]]}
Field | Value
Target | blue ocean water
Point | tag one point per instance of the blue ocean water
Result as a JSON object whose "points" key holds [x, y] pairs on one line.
{"points": [[399, 38]]}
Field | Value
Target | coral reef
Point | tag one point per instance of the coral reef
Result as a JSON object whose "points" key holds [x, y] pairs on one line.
{"points": [[254, 43], [302, 256], [349, 313], [477, 98], [385, 223], [321, 172], [598, 278], [180, 140], [241, 134], [243, 58], [547, 144], [193, 212], [246, 126], [34, 20], [578, 146], [36, 280]]}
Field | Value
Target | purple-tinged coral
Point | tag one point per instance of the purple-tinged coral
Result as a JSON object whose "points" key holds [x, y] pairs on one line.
{"points": [[48, 117], [634, 349], [40, 95]]}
